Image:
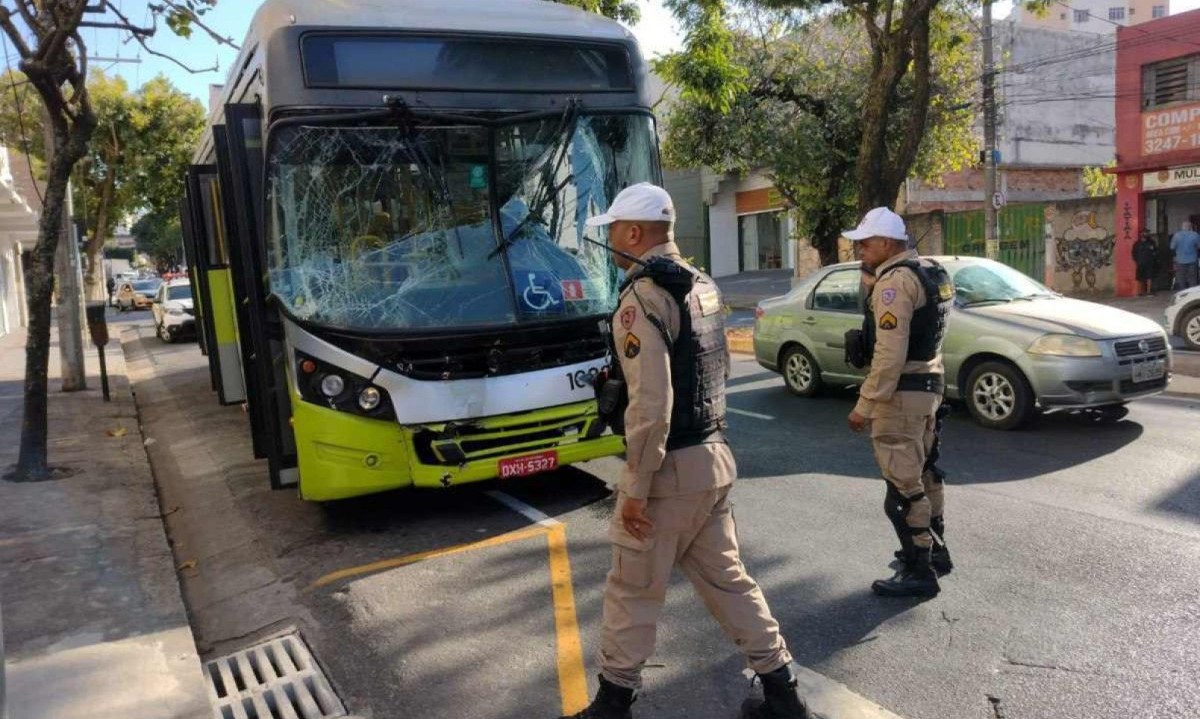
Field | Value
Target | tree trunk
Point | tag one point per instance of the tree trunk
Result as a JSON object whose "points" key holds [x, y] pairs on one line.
{"points": [[96, 241], [70, 145], [32, 462]]}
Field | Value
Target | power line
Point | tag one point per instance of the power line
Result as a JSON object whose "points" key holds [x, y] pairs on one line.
{"points": [[21, 124]]}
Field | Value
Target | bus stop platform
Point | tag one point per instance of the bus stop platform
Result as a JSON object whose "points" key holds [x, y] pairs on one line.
{"points": [[94, 623]]}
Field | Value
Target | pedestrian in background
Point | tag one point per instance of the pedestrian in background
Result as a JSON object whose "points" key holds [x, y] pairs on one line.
{"points": [[902, 337], [673, 508], [1186, 246], [1145, 257]]}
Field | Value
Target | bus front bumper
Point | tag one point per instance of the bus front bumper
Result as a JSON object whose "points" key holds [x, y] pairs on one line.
{"points": [[343, 455]]}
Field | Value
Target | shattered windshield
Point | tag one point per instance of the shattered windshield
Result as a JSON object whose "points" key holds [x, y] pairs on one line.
{"points": [[386, 228]]}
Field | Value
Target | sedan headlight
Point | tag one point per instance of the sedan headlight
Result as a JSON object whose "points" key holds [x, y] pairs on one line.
{"points": [[1065, 346], [174, 310]]}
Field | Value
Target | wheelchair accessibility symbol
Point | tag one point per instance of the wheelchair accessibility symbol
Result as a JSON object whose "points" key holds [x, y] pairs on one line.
{"points": [[542, 293]]}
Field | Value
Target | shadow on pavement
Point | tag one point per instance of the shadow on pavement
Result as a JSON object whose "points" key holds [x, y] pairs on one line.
{"points": [[810, 435]]}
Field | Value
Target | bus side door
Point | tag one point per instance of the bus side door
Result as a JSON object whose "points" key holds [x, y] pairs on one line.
{"points": [[240, 157]]}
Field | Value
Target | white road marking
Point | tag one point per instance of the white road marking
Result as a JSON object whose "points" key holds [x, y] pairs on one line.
{"points": [[744, 413], [533, 514], [828, 698]]}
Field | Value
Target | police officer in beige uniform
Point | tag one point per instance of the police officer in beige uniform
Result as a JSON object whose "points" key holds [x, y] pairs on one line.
{"points": [[903, 331], [673, 507]]}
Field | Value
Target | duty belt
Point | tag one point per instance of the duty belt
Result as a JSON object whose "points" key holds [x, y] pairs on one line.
{"points": [[934, 383], [674, 443]]}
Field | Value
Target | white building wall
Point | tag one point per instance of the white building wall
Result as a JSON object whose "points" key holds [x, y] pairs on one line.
{"points": [[1056, 97], [723, 234]]}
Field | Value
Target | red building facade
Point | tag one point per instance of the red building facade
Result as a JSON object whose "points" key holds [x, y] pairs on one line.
{"points": [[1158, 137]]}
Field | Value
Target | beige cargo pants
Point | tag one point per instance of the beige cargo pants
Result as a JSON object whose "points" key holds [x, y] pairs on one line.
{"points": [[696, 532], [901, 443]]}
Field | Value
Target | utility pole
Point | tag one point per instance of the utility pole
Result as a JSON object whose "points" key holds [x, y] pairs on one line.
{"points": [[69, 285], [991, 198]]}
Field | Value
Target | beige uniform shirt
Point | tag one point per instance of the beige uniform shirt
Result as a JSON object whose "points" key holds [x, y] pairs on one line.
{"points": [[645, 357], [894, 299]]}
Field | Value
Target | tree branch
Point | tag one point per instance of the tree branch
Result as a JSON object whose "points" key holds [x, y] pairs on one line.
{"points": [[195, 71], [191, 15], [13, 33], [31, 19], [148, 31]]}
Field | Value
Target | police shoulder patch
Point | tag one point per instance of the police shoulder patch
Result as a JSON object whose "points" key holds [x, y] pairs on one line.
{"points": [[628, 315], [946, 291], [888, 296], [633, 346], [887, 321]]}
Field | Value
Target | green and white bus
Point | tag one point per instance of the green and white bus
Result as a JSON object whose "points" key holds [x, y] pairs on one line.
{"points": [[385, 225]]}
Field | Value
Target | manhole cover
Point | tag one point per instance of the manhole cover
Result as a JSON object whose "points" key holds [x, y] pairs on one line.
{"points": [[278, 679]]}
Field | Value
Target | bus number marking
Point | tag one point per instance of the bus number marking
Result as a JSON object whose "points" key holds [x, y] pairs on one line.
{"points": [[581, 379]]}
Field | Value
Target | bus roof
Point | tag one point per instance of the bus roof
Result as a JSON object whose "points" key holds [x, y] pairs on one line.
{"points": [[505, 17], [523, 17]]}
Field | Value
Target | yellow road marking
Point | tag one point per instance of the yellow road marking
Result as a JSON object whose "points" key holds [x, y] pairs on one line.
{"points": [[572, 684], [381, 565]]}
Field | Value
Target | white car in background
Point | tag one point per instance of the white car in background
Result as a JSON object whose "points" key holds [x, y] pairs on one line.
{"points": [[1183, 317], [174, 313]]}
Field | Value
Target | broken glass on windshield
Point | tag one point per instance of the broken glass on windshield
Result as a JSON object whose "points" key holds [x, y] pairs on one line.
{"points": [[386, 228]]}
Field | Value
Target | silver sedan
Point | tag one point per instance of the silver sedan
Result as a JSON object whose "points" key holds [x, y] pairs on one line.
{"points": [[1012, 345]]}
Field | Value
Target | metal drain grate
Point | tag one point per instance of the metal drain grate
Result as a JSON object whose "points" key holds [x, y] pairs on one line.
{"points": [[278, 679]]}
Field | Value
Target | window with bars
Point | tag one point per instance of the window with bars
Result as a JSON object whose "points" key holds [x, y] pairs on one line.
{"points": [[1082, 16], [1158, 11], [1170, 81], [1116, 13]]}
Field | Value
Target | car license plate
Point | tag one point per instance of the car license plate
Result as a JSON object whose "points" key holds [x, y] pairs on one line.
{"points": [[1148, 371], [529, 464]]}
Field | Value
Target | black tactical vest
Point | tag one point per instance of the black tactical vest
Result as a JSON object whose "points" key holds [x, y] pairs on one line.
{"points": [[699, 356], [928, 327]]}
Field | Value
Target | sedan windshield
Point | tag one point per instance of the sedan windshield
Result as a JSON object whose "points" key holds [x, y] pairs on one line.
{"points": [[982, 281], [146, 286], [182, 292], [446, 226]]}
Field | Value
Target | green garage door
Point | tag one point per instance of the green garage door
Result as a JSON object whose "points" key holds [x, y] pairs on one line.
{"points": [[1022, 238]]}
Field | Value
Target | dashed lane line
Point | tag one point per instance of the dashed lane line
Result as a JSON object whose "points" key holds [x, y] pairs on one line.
{"points": [[745, 413]]}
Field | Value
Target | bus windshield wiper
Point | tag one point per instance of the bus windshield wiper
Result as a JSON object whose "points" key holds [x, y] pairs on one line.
{"points": [[546, 192]]}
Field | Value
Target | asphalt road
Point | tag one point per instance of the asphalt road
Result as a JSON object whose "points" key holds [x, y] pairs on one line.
{"points": [[1076, 591]]}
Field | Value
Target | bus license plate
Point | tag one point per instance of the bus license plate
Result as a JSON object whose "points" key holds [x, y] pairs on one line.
{"points": [[1148, 371], [529, 464]]}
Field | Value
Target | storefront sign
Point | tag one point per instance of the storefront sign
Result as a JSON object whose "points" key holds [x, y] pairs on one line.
{"points": [[1175, 177], [1169, 130], [762, 200]]}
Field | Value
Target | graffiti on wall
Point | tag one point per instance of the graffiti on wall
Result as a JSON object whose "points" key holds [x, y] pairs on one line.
{"points": [[1084, 248]]}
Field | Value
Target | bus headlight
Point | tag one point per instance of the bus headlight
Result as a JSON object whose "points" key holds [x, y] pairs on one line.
{"points": [[368, 399], [332, 385]]}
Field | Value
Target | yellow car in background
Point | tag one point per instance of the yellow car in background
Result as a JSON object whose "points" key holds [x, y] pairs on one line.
{"points": [[136, 295]]}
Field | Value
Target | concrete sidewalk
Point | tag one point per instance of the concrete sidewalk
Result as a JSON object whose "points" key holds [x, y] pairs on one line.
{"points": [[94, 624]]}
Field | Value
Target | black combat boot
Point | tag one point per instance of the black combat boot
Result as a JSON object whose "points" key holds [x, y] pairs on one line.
{"points": [[915, 578], [611, 702], [940, 558], [781, 698]]}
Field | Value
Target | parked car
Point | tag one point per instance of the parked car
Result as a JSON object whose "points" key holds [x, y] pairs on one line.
{"points": [[174, 314], [1012, 345], [136, 295], [1183, 317]]}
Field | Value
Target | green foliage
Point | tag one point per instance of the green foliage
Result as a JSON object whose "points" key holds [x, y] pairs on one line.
{"points": [[1099, 183], [624, 10], [159, 235], [140, 148], [799, 119]]}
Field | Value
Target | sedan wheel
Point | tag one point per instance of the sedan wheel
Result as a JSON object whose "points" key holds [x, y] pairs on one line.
{"points": [[999, 397], [800, 372], [1191, 329]]}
